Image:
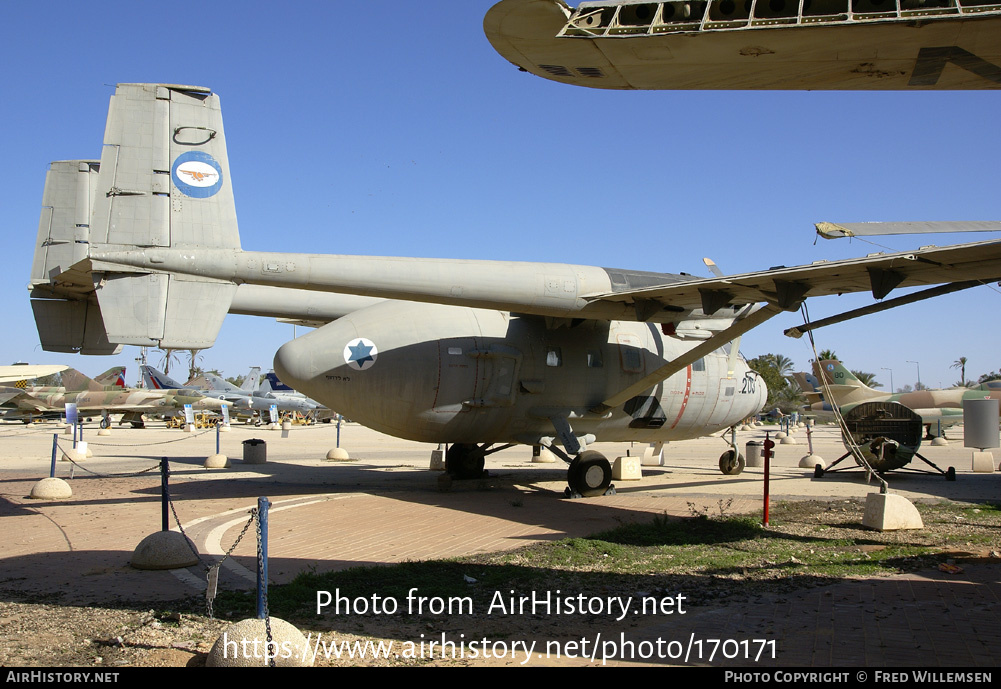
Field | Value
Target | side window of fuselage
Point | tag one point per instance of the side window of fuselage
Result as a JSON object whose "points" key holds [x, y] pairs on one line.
{"points": [[553, 356]]}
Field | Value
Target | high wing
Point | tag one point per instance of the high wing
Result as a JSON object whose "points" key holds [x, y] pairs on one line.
{"points": [[787, 287]]}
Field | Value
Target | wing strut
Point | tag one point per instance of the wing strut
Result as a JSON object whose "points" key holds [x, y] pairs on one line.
{"points": [[666, 371], [938, 291]]}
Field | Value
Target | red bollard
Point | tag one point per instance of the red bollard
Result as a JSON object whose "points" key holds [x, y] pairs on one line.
{"points": [[767, 454]]}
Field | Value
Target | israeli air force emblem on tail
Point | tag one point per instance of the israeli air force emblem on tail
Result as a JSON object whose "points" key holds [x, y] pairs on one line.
{"points": [[361, 354], [196, 174]]}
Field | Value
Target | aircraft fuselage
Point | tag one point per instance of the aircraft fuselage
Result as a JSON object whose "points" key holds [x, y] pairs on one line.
{"points": [[436, 373]]}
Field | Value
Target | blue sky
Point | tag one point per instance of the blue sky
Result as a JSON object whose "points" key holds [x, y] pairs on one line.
{"points": [[394, 128]]}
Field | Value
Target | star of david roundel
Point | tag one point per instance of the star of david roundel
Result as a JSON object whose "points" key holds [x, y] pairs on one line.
{"points": [[360, 354]]}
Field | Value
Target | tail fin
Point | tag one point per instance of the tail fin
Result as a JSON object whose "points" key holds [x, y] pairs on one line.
{"points": [[844, 386], [157, 380], [113, 377], [810, 387], [74, 381], [163, 181], [276, 383], [253, 380]]}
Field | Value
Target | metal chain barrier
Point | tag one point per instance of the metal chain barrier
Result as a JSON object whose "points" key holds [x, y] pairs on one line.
{"points": [[212, 581], [158, 442], [95, 473]]}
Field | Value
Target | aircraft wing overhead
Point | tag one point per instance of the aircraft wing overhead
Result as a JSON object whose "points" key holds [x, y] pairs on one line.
{"points": [[11, 374], [787, 287]]}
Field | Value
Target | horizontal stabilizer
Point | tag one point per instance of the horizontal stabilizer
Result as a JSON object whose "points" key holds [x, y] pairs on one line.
{"points": [[72, 326]]}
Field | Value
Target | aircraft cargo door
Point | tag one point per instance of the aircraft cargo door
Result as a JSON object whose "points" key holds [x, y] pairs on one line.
{"points": [[459, 375], [721, 413]]}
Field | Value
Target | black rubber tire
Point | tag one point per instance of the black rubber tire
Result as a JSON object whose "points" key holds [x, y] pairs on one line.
{"points": [[464, 461], [589, 474], [731, 465]]}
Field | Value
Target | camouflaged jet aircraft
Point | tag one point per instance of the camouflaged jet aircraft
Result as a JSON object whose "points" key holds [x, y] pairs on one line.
{"points": [[479, 355], [937, 408], [91, 397], [753, 44]]}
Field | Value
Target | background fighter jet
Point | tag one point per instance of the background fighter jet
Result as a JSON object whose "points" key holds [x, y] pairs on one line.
{"points": [[91, 397], [778, 44], [243, 401], [471, 353], [937, 408]]}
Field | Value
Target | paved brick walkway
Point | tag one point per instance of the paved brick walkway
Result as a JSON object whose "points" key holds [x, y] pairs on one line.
{"points": [[327, 517]]}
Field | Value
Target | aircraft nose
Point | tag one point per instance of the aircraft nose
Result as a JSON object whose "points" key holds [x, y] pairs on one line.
{"points": [[293, 363]]}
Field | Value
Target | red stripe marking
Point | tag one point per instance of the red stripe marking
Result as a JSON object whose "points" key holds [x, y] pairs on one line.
{"points": [[684, 400]]}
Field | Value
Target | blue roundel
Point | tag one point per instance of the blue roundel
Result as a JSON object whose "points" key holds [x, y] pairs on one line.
{"points": [[197, 174], [830, 367]]}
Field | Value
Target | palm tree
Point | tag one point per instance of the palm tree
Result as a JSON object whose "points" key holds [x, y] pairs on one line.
{"points": [[867, 379], [773, 368], [169, 355], [193, 368], [826, 354], [960, 363]]}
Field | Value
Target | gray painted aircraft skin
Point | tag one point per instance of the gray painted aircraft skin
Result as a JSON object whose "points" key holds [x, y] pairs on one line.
{"points": [[757, 44], [142, 248], [241, 400]]}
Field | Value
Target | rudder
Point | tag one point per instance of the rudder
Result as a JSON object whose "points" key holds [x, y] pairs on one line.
{"points": [[163, 182]]}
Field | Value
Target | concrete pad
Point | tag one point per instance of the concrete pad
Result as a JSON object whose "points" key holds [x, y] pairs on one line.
{"points": [[244, 645], [71, 455], [164, 550], [626, 469], [890, 512], [653, 455], [216, 461], [811, 461], [437, 460], [543, 455], [983, 462], [51, 489]]}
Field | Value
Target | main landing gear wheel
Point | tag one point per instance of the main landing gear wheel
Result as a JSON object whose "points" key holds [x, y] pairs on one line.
{"points": [[589, 474], [464, 461], [731, 462]]}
